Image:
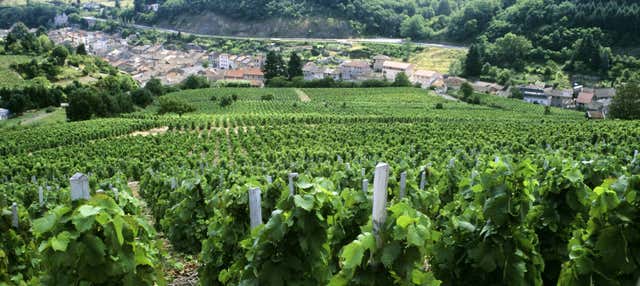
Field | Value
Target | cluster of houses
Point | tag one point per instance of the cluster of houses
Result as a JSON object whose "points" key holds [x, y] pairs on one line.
{"points": [[155, 61], [380, 68], [595, 101]]}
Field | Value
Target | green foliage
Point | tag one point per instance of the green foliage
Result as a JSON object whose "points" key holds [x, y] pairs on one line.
{"points": [[79, 244], [401, 80], [466, 89], [626, 103], [415, 27], [174, 105], [400, 259], [606, 251], [81, 50], [274, 66], [142, 97], [195, 82], [473, 62], [294, 67], [155, 87]]}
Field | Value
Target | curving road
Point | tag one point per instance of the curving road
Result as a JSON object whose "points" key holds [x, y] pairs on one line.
{"points": [[284, 39]]}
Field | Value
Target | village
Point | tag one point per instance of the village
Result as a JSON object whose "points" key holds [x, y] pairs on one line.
{"points": [[172, 66]]}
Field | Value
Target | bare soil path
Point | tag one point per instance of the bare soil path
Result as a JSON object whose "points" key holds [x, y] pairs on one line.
{"points": [[302, 95]]}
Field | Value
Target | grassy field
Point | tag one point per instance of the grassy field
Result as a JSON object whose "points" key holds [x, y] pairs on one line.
{"points": [[8, 77], [436, 59], [358, 102], [35, 118]]}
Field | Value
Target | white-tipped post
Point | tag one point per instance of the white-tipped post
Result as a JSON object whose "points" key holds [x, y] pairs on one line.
{"points": [[365, 186], [364, 172], [379, 215], [14, 216], [255, 211]]}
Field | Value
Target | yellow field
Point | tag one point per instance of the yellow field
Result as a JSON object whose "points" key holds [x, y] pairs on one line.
{"points": [[436, 59]]}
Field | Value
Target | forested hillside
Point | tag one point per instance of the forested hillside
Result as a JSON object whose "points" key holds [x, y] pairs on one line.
{"points": [[453, 20]]}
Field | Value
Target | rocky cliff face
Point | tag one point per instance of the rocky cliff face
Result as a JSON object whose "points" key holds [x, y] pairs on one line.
{"points": [[216, 24]]}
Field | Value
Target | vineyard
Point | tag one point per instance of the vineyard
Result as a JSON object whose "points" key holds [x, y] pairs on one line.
{"points": [[352, 187]]}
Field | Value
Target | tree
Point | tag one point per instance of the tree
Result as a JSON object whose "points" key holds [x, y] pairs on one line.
{"points": [[473, 62], [444, 7], [467, 90], [414, 27], [59, 55], [17, 104], [295, 66], [174, 105], [117, 4], [274, 66], [154, 85], [142, 97], [512, 50], [195, 82], [139, 5], [402, 80], [81, 105], [626, 103], [81, 50]]}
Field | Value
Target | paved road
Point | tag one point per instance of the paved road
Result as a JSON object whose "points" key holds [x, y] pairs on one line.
{"points": [[340, 40]]}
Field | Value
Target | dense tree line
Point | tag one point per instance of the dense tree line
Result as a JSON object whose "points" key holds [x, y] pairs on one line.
{"points": [[454, 20]]}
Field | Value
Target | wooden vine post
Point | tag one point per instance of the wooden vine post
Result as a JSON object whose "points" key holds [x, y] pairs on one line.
{"points": [[403, 184], [423, 179], [79, 187], [41, 196], [365, 186], [379, 215], [255, 211], [291, 186]]}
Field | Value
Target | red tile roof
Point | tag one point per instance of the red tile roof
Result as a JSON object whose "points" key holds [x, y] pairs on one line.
{"points": [[585, 97]]}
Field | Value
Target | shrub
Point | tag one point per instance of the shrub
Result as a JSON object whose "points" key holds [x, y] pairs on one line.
{"points": [[439, 106], [268, 96], [174, 105]]}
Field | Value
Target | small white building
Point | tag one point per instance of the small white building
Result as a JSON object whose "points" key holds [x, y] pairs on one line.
{"points": [[391, 69], [4, 114], [332, 73], [378, 62], [352, 70], [425, 78], [535, 94], [311, 71], [214, 58], [224, 62]]}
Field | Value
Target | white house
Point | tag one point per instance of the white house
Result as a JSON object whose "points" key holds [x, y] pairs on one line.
{"points": [[391, 69], [560, 97], [224, 62], [332, 73], [378, 62], [213, 59], [535, 94], [425, 78], [4, 114], [311, 71], [352, 70]]}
